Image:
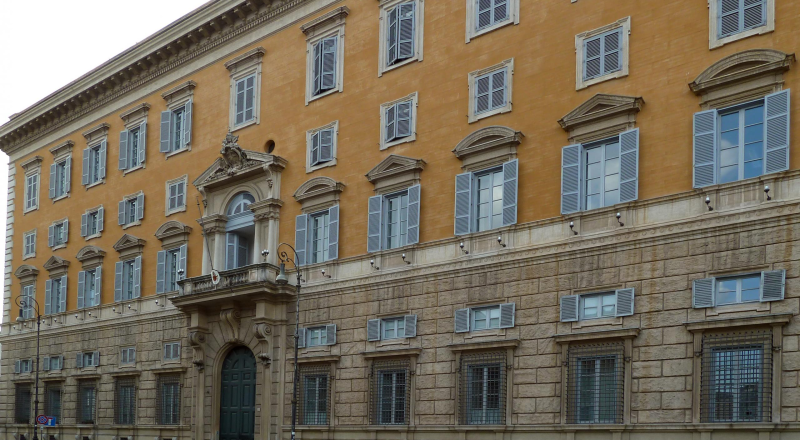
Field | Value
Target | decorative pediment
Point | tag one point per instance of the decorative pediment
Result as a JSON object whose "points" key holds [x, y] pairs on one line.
{"points": [[318, 193], [90, 256], [26, 273], [395, 172], [237, 163], [129, 246], [56, 265], [173, 233], [487, 147], [601, 116], [324, 22]]}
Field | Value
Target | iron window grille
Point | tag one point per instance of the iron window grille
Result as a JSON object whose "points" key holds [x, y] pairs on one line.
{"points": [[390, 392], [22, 404], [125, 401], [168, 402], [736, 377], [314, 399], [482, 389], [87, 401], [595, 383], [52, 401]]}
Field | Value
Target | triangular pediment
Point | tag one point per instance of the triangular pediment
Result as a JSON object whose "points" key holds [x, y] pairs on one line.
{"points": [[56, 262], [26, 270], [741, 67], [395, 164], [601, 106], [128, 241]]}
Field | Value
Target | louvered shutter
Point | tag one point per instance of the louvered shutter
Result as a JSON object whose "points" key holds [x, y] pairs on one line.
{"points": [[63, 295], [82, 289], [629, 165], [187, 124], [773, 285], [461, 321], [52, 181], [67, 175], [50, 235], [301, 238], [330, 332], [333, 232], [510, 172], [571, 179], [83, 225], [754, 14], [405, 40], [98, 286], [374, 330], [240, 98], [231, 244], [703, 293], [391, 49], [592, 57], [404, 114], [123, 150], [776, 109], [79, 360], [412, 225], [101, 172], [569, 308], [48, 297], [705, 148], [317, 67], [482, 92], [498, 89], [182, 262], [507, 315], [85, 175], [315, 148], [624, 302], [611, 51], [96, 358], [65, 231], [46, 363], [137, 277], [326, 145], [140, 207], [410, 325], [375, 212], [484, 15], [166, 131], [729, 14], [118, 281], [121, 213], [391, 126], [463, 209], [17, 366], [301, 338], [142, 142], [329, 63], [161, 271], [100, 219]]}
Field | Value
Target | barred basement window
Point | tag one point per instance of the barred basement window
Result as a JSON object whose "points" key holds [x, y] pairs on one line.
{"points": [[482, 389], [87, 401], [125, 402], [390, 392], [736, 377], [314, 394], [52, 401], [595, 383], [168, 402], [22, 403]]}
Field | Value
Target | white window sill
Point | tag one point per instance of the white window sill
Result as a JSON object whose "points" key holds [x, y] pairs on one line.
{"points": [[607, 77], [175, 211], [478, 33], [596, 322], [128, 365], [313, 168], [497, 111], [130, 225], [31, 209], [754, 306], [170, 361], [25, 257], [58, 246], [400, 64], [484, 333], [88, 369], [170, 154], [403, 140], [93, 236], [324, 94], [719, 42], [253, 121], [93, 184], [61, 197], [130, 170], [393, 342]]}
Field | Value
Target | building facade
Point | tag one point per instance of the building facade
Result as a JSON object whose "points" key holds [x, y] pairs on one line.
{"points": [[566, 220]]}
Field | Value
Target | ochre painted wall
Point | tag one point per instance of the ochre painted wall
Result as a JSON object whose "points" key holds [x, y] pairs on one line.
{"points": [[668, 49]]}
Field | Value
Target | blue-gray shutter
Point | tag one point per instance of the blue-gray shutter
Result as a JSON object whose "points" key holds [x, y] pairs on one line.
{"points": [[463, 214], [51, 235], [142, 142], [52, 181], [301, 338], [17, 366], [123, 150], [121, 217], [48, 297], [118, 281], [63, 295], [498, 89], [161, 271], [624, 302], [483, 91], [329, 63], [705, 148], [100, 219], [461, 321], [140, 207], [98, 285], [703, 292], [391, 43], [729, 17], [79, 360], [166, 131], [391, 126], [315, 148], [484, 15], [137, 277], [330, 333], [101, 172], [231, 246], [510, 185], [412, 225], [317, 67], [83, 224], [375, 214], [773, 285], [776, 110], [96, 358], [405, 38], [403, 115], [68, 175], [85, 175], [182, 253], [629, 165], [569, 308], [326, 145], [187, 124], [507, 315], [65, 231], [410, 322], [333, 232], [374, 330], [754, 14], [46, 363], [301, 238], [82, 289], [592, 57], [611, 51], [571, 179]]}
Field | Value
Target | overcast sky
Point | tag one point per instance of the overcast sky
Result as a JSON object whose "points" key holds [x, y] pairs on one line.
{"points": [[46, 44]]}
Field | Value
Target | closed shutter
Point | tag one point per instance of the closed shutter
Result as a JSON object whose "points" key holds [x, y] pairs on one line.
{"points": [[231, 245], [624, 302], [375, 212], [51, 235], [301, 338], [121, 213], [52, 181], [118, 281], [96, 358], [85, 175], [482, 92], [510, 172], [569, 308], [463, 210], [83, 224], [703, 293], [142, 142], [729, 17], [140, 207], [166, 131], [100, 219], [391, 125], [333, 233], [239, 100], [412, 224], [374, 330], [507, 315], [629, 165], [137, 277], [404, 111], [592, 57], [776, 108], [182, 262], [81, 289], [405, 40], [123, 150], [48, 297], [79, 360], [315, 148], [62, 303], [301, 238], [705, 148], [187, 124], [773, 285], [461, 321], [161, 271], [101, 172], [317, 67], [98, 286], [391, 43], [330, 332], [17, 367], [499, 89], [329, 63], [326, 145], [410, 325], [611, 51], [571, 179]]}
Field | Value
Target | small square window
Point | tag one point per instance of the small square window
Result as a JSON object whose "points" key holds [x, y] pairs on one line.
{"points": [[321, 146], [394, 328], [172, 351], [401, 33], [601, 305], [29, 243], [735, 290], [490, 90], [486, 318], [602, 53], [487, 15], [127, 356], [317, 336], [398, 121], [92, 223], [176, 195]]}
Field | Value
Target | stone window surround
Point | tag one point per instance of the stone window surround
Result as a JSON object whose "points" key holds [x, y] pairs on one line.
{"points": [[134, 118], [317, 194], [244, 65], [618, 114], [90, 257], [412, 354], [63, 152], [167, 184], [471, 32], [626, 335], [334, 142], [713, 13], [180, 350], [26, 274], [476, 153], [176, 97], [94, 136], [774, 321], [129, 247], [32, 166], [595, 322], [126, 199], [413, 97], [56, 266], [173, 234], [395, 173], [99, 233], [24, 237], [419, 20], [64, 244], [757, 307], [506, 64], [394, 342], [327, 25], [622, 23], [332, 360]]}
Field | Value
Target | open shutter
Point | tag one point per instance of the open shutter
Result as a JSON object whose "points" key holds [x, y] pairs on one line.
{"points": [[405, 40], [571, 179], [100, 219], [81, 289], [461, 322], [142, 142], [53, 181], [301, 338], [161, 271], [101, 172], [326, 145], [329, 63], [375, 211], [67, 175], [507, 315], [79, 360], [140, 207], [569, 308], [705, 148], [330, 331], [410, 325], [96, 358], [118, 281], [301, 238], [46, 363], [629, 165], [50, 235], [166, 129], [182, 261], [65, 231], [391, 43], [412, 225], [83, 225], [773, 284], [510, 171], [463, 220], [137, 277], [98, 286], [374, 330], [17, 366], [703, 293], [85, 175], [333, 233], [391, 125], [187, 124], [63, 295], [317, 67], [48, 297], [121, 213], [315, 148], [403, 119], [123, 150], [624, 302], [777, 131]]}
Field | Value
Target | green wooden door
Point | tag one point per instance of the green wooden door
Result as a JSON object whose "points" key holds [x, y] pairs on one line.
{"points": [[238, 399]]}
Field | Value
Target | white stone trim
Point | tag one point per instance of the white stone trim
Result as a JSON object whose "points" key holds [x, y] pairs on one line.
{"points": [[625, 25], [713, 11], [10, 194], [325, 31], [507, 64], [167, 184], [133, 119], [413, 97], [334, 140], [176, 98], [25, 236], [241, 67], [419, 31], [471, 32], [95, 142]]}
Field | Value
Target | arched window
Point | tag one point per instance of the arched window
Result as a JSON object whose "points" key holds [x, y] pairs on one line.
{"points": [[240, 231]]}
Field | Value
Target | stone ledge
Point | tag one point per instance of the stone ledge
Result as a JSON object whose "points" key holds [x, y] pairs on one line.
{"points": [[167, 370], [483, 345], [126, 373], [625, 333], [312, 359], [713, 324], [390, 353]]}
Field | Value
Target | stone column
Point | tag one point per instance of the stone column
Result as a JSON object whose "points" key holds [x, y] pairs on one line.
{"points": [[267, 216], [214, 241]]}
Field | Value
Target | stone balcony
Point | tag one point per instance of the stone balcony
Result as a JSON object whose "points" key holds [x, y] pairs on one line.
{"points": [[255, 282]]}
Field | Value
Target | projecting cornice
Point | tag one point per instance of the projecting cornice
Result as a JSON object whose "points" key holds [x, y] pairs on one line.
{"points": [[191, 36]]}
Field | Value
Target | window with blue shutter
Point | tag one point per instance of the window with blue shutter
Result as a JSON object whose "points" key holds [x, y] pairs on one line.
{"points": [[322, 145], [602, 54], [490, 91], [317, 236], [176, 128], [393, 220], [399, 120], [486, 199], [485, 318], [491, 12], [737, 16], [753, 287], [392, 328], [325, 65], [589, 306], [245, 99], [400, 44]]}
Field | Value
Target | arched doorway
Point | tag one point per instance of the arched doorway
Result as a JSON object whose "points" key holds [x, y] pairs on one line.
{"points": [[238, 397], [240, 231]]}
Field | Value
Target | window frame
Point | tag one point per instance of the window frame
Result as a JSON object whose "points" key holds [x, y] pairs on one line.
{"points": [[241, 68], [714, 18], [32, 237], [385, 7], [95, 152], [168, 187], [490, 309], [623, 25], [396, 320], [473, 76], [310, 165], [32, 195], [741, 109], [399, 401], [601, 296], [128, 279], [316, 373], [22, 405], [403, 220], [28, 290], [169, 414], [125, 406], [60, 229], [128, 201], [323, 336], [127, 351], [170, 346], [738, 278], [329, 30], [49, 388], [324, 217], [413, 98], [471, 27], [476, 202], [87, 385], [602, 145]]}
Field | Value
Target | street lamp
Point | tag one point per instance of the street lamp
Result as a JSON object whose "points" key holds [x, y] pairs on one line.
{"points": [[282, 279], [24, 302]]}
